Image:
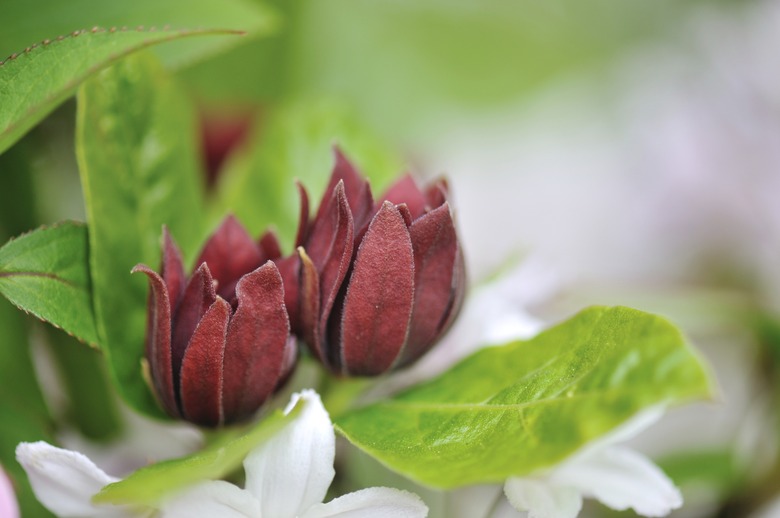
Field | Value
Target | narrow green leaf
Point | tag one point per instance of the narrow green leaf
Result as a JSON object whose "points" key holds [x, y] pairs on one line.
{"points": [[38, 78], [46, 273], [296, 142], [514, 409], [148, 485], [138, 159]]}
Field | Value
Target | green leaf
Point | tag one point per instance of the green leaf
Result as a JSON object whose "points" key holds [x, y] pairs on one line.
{"points": [[46, 273], [296, 142], [138, 158], [27, 21], [511, 410], [35, 81], [148, 485]]}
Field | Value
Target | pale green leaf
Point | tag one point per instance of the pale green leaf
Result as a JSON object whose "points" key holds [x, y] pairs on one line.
{"points": [[41, 76], [137, 149], [148, 485], [46, 273], [296, 142], [510, 410]]}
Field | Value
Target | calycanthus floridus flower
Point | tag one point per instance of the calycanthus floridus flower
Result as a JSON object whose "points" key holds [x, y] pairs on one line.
{"points": [[218, 344], [377, 283]]}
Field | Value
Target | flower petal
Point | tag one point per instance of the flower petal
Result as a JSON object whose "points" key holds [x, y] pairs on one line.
{"points": [[330, 245], [290, 270], [542, 499], [376, 502], [202, 368], [378, 302], [214, 498], [158, 339], [230, 253], [356, 189], [255, 353], [406, 191], [64, 481], [269, 246], [292, 471], [9, 507], [621, 478], [199, 296], [172, 269], [437, 193], [435, 245]]}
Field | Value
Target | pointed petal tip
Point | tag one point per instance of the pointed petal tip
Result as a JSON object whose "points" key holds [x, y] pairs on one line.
{"points": [[141, 267]]}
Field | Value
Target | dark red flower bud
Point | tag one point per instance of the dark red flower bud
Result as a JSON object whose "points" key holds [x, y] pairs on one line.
{"points": [[377, 283], [218, 344]]}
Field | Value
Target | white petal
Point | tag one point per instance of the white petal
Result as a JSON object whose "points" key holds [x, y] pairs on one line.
{"points": [[293, 470], [64, 481], [542, 499], [8, 504], [621, 478], [376, 502], [214, 498]]}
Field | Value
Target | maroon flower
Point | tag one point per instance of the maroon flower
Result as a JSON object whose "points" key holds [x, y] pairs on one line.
{"points": [[376, 284], [218, 344]]}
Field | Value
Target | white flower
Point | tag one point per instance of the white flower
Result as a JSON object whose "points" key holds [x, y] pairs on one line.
{"points": [[618, 477], [288, 476], [64, 482], [8, 505]]}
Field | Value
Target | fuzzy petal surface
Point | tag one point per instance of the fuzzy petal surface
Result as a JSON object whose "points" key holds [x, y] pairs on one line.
{"points": [[378, 302], [255, 351], [158, 339], [435, 245], [202, 368]]}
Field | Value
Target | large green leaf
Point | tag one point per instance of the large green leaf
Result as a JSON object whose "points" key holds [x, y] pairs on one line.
{"points": [[138, 158], [41, 76], [148, 485], [296, 142], [46, 273], [514, 409], [27, 21]]}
